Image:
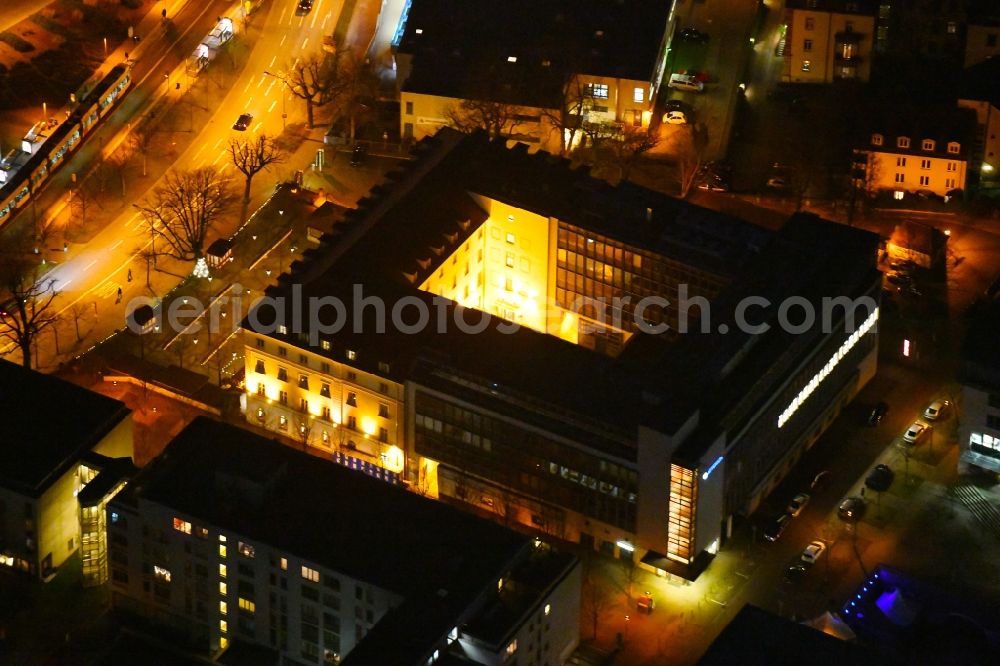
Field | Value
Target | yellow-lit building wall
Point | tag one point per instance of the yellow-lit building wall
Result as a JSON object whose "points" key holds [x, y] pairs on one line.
{"points": [[326, 404], [609, 100], [811, 47], [910, 173], [461, 275]]}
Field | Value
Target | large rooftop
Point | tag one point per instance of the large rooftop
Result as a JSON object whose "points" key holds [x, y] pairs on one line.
{"points": [[465, 49], [68, 421]]}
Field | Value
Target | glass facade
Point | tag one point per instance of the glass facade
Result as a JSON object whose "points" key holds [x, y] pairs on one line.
{"points": [[680, 521], [524, 461]]}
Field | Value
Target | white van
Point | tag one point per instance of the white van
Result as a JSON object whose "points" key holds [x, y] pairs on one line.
{"points": [[685, 82]]}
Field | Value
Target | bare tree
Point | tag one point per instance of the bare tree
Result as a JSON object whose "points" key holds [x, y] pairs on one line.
{"points": [[184, 209], [499, 119], [25, 301], [354, 89], [616, 148], [313, 79], [78, 310], [567, 119], [252, 156]]}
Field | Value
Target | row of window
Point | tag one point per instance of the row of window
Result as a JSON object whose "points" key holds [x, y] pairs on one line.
{"points": [[949, 183], [926, 144], [326, 345]]}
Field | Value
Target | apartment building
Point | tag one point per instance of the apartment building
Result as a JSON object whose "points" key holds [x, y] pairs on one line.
{"points": [[980, 91], [577, 367], [575, 66], [57, 470], [828, 40], [231, 540], [979, 428], [914, 153]]}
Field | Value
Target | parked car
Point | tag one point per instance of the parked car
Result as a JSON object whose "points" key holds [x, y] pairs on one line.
{"points": [[778, 183], [902, 265], [877, 414], [915, 432], [880, 478], [813, 552], [714, 183], [899, 279], [820, 481], [775, 529], [685, 82], [851, 509], [646, 603], [797, 504], [676, 117], [692, 35], [795, 572], [243, 122], [935, 409], [358, 154]]}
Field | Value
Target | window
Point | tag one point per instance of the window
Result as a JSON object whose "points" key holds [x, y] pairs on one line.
{"points": [[222, 550], [903, 142], [325, 345], [259, 367], [284, 564], [925, 164], [901, 161], [928, 144], [876, 139], [383, 410], [951, 166], [223, 608], [283, 397], [409, 108], [352, 422], [511, 238], [351, 355], [953, 148], [810, 23], [246, 550], [806, 65], [952, 27], [510, 260], [638, 95], [324, 390], [383, 435], [900, 178], [352, 376], [303, 359], [511, 647], [548, 609], [247, 605], [283, 422], [162, 574], [182, 525], [282, 375], [324, 368], [807, 45], [223, 588], [383, 387], [282, 329], [222, 571], [383, 367], [508, 284], [304, 382], [849, 26], [598, 90], [898, 195], [310, 574], [352, 399], [260, 343], [925, 180], [949, 183]]}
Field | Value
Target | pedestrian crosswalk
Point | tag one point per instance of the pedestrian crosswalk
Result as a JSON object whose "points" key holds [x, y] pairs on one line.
{"points": [[979, 506], [109, 288]]}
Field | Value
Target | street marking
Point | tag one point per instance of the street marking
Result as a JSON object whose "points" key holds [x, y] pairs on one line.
{"points": [[273, 60], [282, 42], [304, 43], [271, 108], [281, 19], [216, 161], [216, 146], [249, 83], [66, 283], [325, 19], [248, 101], [258, 126], [268, 91], [199, 151], [115, 246], [315, 17], [87, 267]]}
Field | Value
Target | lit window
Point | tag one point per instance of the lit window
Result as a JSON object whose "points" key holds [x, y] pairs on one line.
{"points": [[928, 144], [182, 525], [511, 238], [223, 608], [510, 260], [351, 355], [310, 574], [283, 422], [222, 571], [223, 588], [903, 142], [511, 58], [897, 195], [246, 550], [222, 550], [638, 95], [284, 564], [953, 148], [223, 626], [512, 647], [598, 90], [806, 65], [282, 329], [876, 139], [247, 605], [548, 608], [325, 344], [508, 284], [162, 574]]}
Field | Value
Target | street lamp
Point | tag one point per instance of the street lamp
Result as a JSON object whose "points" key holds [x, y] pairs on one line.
{"points": [[284, 83], [105, 48]]}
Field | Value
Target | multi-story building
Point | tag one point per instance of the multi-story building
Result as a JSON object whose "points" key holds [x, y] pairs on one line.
{"points": [[980, 91], [228, 538], [982, 40], [574, 67], [570, 354], [828, 40], [911, 152], [979, 429], [57, 470]]}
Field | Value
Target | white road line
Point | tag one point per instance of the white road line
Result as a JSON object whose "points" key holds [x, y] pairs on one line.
{"points": [[282, 42], [87, 267], [281, 19], [271, 108], [248, 101], [217, 143], [249, 83], [325, 19], [199, 151], [216, 160], [66, 283], [273, 60], [116, 244], [315, 18], [269, 87], [304, 43], [258, 126]]}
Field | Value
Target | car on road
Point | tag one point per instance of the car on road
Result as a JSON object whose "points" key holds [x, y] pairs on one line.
{"points": [[795, 572], [243, 122], [852, 509], [778, 183], [675, 117], [813, 552], [820, 481], [692, 35], [774, 530], [935, 409], [686, 82], [714, 183], [899, 279], [915, 432], [797, 504], [304, 7], [880, 478], [877, 414], [358, 154]]}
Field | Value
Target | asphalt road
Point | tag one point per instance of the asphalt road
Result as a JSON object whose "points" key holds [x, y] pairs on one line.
{"points": [[13, 12]]}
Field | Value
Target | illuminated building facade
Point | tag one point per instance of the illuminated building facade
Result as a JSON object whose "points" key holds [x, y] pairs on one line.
{"points": [[643, 439], [57, 470], [829, 40], [979, 427], [980, 91], [228, 538], [574, 67]]}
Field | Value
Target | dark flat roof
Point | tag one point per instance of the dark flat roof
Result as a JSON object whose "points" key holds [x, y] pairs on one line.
{"points": [[981, 82], [48, 424], [463, 48], [313, 508]]}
